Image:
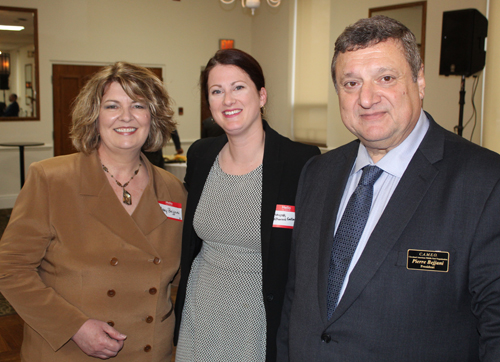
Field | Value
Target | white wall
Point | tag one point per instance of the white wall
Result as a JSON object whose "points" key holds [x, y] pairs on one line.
{"points": [[312, 71], [272, 47]]}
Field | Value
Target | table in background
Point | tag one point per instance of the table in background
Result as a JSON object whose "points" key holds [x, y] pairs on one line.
{"points": [[177, 169], [21, 146]]}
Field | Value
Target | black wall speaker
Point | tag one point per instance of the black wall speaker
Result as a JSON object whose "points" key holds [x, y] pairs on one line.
{"points": [[4, 81], [462, 42]]}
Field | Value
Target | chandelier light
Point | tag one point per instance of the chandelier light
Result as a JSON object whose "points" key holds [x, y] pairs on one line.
{"points": [[4, 72], [253, 4], [5, 64]]}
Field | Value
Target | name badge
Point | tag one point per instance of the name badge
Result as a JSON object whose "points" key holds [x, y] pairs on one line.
{"points": [[428, 260], [284, 216], [173, 210]]}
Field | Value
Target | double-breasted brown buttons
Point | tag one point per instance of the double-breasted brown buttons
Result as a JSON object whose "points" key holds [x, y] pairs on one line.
{"points": [[114, 261], [149, 319], [111, 293], [147, 348], [157, 260], [152, 291], [111, 323]]}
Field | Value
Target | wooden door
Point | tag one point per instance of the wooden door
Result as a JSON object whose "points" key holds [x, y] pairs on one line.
{"points": [[67, 81]]}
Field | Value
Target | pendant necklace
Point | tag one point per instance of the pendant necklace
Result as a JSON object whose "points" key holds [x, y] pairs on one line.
{"points": [[127, 198]]}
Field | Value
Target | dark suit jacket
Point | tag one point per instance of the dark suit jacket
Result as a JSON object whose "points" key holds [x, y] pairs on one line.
{"points": [[12, 110], [447, 200], [209, 128], [283, 161], [72, 252]]}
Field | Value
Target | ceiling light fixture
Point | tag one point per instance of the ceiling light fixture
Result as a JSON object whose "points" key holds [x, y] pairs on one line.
{"points": [[5, 64], [253, 4], [11, 27]]}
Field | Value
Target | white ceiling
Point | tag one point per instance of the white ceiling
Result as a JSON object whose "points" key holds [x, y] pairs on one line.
{"points": [[10, 40]]}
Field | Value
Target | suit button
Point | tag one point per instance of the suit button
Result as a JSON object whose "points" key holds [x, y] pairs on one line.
{"points": [[326, 338], [114, 262], [111, 293], [147, 348], [149, 319], [152, 291], [157, 260], [269, 297], [111, 323]]}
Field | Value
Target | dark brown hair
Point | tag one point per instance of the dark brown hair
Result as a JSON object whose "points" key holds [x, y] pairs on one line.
{"points": [[140, 84], [236, 57], [370, 31]]}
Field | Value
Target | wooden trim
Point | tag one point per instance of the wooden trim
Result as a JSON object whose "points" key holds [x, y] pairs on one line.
{"points": [[408, 5]]}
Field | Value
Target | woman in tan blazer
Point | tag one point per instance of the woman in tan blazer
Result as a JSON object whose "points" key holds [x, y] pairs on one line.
{"points": [[93, 243]]}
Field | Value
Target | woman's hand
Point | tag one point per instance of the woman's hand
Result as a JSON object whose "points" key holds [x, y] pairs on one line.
{"points": [[98, 339]]}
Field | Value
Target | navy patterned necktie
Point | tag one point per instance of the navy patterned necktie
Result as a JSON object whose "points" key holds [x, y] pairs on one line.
{"points": [[348, 234]]}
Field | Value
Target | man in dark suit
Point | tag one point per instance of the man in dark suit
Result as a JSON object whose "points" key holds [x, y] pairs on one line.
{"points": [[13, 108], [421, 281]]}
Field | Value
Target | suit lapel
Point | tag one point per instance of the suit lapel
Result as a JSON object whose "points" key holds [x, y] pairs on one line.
{"points": [[271, 170], [146, 216], [335, 184], [405, 200], [102, 203]]}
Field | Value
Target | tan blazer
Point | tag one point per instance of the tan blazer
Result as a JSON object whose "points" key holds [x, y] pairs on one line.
{"points": [[71, 252]]}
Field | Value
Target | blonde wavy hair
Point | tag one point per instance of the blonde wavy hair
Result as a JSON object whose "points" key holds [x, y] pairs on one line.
{"points": [[140, 84]]}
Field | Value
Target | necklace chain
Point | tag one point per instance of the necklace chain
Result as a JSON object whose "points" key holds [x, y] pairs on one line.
{"points": [[127, 198]]}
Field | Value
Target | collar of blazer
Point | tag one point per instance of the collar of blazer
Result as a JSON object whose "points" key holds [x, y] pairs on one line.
{"points": [[272, 173], [408, 195], [211, 148], [217, 143], [101, 202]]}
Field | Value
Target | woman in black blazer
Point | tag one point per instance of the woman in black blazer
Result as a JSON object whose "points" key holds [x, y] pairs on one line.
{"points": [[228, 309]]}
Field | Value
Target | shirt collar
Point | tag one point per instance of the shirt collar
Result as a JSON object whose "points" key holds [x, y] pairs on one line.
{"points": [[397, 159]]}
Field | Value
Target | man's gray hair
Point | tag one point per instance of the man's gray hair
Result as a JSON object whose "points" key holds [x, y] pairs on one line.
{"points": [[371, 31]]}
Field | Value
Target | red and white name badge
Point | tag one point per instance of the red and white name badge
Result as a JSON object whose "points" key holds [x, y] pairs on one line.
{"points": [[284, 216], [173, 210]]}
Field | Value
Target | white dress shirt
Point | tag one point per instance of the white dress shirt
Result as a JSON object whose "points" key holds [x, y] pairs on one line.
{"points": [[394, 164]]}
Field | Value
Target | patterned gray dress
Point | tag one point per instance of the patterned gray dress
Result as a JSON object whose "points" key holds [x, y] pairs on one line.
{"points": [[224, 317]]}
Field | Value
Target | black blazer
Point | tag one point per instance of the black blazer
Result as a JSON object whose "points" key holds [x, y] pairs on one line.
{"points": [[448, 201], [282, 164]]}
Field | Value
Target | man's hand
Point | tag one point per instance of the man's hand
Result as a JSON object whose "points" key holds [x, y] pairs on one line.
{"points": [[98, 339]]}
